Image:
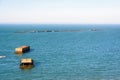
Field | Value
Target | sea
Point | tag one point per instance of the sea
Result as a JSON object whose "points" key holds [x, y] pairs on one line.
{"points": [[61, 51]]}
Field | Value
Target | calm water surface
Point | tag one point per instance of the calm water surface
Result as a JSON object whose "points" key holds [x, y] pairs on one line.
{"points": [[83, 55]]}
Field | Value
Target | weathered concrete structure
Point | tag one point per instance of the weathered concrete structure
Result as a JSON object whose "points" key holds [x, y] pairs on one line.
{"points": [[26, 63], [22, 49]]}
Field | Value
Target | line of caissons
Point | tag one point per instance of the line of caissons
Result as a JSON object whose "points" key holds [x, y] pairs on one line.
{"points": [[25, 63]]}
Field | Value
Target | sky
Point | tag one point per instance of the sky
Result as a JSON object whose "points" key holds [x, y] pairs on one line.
{"points": [[60, 11]]}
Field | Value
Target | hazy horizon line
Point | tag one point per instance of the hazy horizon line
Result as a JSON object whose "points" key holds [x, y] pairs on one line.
{"points": [[60, 23]]}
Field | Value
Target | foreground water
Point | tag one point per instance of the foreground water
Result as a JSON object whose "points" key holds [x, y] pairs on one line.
{"points": [[82, 55]]}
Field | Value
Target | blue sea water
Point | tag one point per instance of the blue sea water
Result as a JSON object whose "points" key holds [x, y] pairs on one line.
{"points": [[77, 55]]}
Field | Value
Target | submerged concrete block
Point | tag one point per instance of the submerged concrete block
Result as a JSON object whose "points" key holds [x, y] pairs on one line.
{"points": [[22, 49], [26, 63]]}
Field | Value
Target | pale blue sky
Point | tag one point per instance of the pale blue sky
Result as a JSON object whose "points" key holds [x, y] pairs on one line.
{"points": [[60, 11]]}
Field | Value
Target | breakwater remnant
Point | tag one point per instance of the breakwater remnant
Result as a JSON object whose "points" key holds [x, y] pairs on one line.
{"points": [[40, 31], [93, 29], [22, 49], [26, 63]]}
